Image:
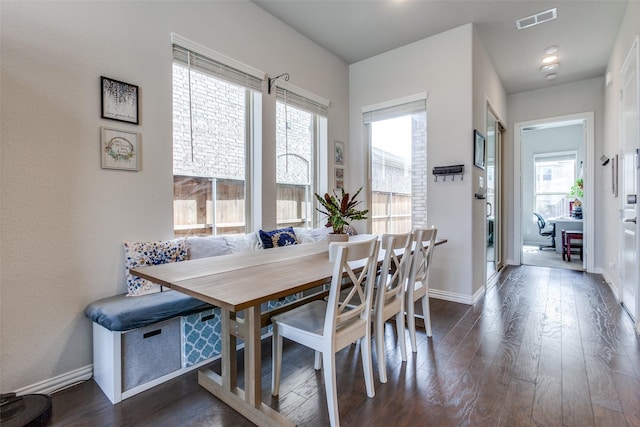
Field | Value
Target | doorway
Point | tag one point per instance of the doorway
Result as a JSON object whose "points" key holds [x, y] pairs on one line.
{"points": [[551, 156]]}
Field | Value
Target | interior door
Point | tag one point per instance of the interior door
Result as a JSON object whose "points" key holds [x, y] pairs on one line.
{"points": [[629, 177]]}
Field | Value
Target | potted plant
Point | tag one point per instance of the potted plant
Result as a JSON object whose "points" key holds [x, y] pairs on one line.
{"points": [[340, 210], [577, 192]]}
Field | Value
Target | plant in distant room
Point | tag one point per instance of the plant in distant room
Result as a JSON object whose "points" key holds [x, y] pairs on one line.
{"points": [[340, 209], [577, 189]]}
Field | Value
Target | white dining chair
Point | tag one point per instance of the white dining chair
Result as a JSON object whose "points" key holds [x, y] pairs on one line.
{"points": [[418, 281], [329, 326], [390, 293]]}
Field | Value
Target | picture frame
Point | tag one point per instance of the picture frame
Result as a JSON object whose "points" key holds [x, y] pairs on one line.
{"points": [[339, 153], [119, 100], [479, 146], [120, 149], [339, 175]]}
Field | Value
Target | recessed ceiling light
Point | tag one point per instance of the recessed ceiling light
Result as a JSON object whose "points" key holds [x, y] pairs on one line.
{"points": [[549, 59], [550, 67], [551, 50], [551, 76]]}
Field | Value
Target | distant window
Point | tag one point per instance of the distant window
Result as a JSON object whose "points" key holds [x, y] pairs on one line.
{"points": [[555, 173]]}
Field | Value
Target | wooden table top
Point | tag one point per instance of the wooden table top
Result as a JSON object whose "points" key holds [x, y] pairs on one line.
{"points": [[242, 280]]}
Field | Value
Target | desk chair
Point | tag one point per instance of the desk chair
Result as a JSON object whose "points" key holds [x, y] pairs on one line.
{"points": [[389, 299], [417, 283], [569, 244], [542, 224], [329, 326]]}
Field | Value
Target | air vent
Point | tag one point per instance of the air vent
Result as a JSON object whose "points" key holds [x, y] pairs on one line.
{"points": [[538, 18]]}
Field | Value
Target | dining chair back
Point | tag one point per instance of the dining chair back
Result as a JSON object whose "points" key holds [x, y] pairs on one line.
{"points": [[390, 290], [329, 326], [418, 282]]}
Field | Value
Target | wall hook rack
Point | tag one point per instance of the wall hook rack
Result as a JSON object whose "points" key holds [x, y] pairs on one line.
{"points": [[273, 80], [444, 171]]}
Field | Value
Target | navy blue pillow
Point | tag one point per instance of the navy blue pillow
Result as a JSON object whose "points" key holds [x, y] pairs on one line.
{"points": [[277, 238]]}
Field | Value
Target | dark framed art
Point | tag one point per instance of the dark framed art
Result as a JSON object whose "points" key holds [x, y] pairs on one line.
{"points": [[119, 100], [478, 149]]}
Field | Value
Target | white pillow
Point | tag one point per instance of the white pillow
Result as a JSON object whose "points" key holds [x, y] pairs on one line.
{"points": [[207, 246], [320, 233]]}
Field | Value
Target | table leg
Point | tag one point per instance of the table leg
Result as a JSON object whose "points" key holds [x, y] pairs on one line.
{"points": [[252, 356], [247, 402], [229, 360]]}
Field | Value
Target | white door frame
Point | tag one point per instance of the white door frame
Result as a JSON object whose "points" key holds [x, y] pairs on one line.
{"points": [[633, 59], [589, 180]]}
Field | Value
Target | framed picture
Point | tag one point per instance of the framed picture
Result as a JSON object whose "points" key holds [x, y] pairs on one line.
{"points": [[339, 178], [339, 153], [478, 149], [120, 149], [119, 100]]}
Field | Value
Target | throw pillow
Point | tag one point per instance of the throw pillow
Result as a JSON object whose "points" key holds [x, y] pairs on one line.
{"points": [[140, 254], [277, 238]]}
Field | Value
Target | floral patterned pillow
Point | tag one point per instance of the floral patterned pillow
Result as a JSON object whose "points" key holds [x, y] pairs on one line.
{"points": [[140, 254]]}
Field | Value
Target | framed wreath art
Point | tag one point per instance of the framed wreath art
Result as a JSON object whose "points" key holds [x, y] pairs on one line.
{"points": [[120, 149]]}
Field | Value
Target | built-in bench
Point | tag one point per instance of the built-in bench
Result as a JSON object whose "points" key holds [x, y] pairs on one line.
{"points": [[148, 336]]}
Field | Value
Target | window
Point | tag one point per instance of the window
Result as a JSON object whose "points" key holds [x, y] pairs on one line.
{"points": [[212, 109], [298, 122], [398, 158], [554, 175]]}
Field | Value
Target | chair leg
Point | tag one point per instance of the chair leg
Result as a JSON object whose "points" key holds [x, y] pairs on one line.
{"points": [[276, 361], [329, 361], [379, 337], [411, 324], [402, 340], [426, 312], [367, 365], [317, 362]]}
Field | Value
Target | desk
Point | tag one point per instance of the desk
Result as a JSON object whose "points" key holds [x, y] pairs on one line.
{"points": [[564, 224], [240, 282]]}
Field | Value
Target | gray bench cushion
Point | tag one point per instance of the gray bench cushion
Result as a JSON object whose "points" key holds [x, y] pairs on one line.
{"points": [[122, 313]]}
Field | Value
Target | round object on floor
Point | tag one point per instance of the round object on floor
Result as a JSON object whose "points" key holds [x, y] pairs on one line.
{"points": [[30, 410]]}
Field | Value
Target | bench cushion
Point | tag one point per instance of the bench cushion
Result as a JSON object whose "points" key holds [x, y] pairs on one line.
{"points": [[122, 313]]}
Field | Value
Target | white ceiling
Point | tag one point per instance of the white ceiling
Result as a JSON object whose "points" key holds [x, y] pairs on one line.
{"points": [[585, 31]]}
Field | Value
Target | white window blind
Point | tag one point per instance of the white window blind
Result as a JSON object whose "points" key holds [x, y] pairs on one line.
{"points": [[301, 102], [204, 64], [394, 111]]}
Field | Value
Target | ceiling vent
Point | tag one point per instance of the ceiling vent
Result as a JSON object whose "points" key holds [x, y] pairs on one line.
{"points": [[538, 18]]}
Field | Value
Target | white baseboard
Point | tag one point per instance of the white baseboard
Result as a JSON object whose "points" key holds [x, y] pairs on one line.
{"points": [[611, 283], [58, 383], [449, 296]]}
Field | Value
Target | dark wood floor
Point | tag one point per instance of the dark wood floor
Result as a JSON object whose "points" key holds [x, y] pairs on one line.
{"points": [[544, 347]]}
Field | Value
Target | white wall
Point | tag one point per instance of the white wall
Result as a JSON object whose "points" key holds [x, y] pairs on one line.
{"points": [[629, 29], [63, 217], [555, 101], [443, 66], [540, 141], [487, 93]]}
